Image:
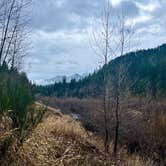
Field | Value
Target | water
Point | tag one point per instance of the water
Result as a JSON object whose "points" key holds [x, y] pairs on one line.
{"points": [[75, 116]]}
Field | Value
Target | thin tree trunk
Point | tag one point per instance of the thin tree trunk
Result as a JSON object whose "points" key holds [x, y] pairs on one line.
{"points": [[106, 145], [10, 42], [117, 126], [6, 29]]}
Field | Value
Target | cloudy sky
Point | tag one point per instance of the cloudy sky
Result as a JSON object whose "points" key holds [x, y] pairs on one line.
{"points": [[61, 30]]}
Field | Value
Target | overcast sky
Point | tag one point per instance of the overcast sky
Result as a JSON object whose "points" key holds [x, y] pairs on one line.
{"points": [[61, 29]]}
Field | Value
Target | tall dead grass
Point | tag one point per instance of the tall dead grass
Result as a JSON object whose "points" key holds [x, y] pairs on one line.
{"points": [[67, 127], [143, 123], [60, 140]]}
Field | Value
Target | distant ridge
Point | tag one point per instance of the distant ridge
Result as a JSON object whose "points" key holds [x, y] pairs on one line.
{"points": [[60, 78], [145, 71]]}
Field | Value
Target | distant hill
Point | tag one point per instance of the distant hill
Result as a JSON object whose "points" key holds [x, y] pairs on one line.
{"points": [[145, 73], [60, 79]]}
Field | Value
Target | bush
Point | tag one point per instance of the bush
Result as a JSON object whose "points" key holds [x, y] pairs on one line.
{"points": [[15, 95], [17, 111]]}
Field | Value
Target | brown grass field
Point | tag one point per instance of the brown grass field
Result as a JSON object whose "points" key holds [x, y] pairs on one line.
{"points": [[59, 140], [142, 123]]}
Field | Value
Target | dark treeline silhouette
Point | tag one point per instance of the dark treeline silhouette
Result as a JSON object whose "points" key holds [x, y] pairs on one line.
{"points": [[145, 76]]}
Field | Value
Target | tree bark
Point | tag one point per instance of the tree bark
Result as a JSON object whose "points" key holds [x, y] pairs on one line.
{"points": [[117, 126]]}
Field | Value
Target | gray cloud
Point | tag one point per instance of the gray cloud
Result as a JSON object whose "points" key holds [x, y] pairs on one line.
{"points": [[60, 36], [67, 14], [128, 7]]}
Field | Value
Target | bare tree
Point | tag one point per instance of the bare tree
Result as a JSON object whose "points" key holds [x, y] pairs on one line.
{"points": [[112, 40], [13, 21], [102, 42], [124, 34]]}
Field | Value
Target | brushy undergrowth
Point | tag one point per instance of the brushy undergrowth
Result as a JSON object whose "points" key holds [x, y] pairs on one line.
{"points": [[18, 115], [60, 140], [143, 122]]}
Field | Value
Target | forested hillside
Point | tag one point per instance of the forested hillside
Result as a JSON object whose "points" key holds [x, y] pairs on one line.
{"points": [[144, 75]]}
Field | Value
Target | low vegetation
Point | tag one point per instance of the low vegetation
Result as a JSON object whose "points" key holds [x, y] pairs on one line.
{"points": [[17, 113], [60, 140], [142, 130]]}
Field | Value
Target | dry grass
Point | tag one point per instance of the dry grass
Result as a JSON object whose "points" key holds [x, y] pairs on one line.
{"points": [[6, 129], [137, 161], [69, 128], [158, 125], [143, 122], [60, 141]]}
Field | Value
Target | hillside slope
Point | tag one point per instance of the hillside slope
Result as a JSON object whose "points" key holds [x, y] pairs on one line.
{"points": [[144, 72], [61, 141]]}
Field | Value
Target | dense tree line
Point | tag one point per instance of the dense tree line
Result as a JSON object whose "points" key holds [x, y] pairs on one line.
{"points": [[145, 76]]}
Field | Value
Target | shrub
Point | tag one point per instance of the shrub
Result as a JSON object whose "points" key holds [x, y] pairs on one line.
{"points": [[15, 95]]}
